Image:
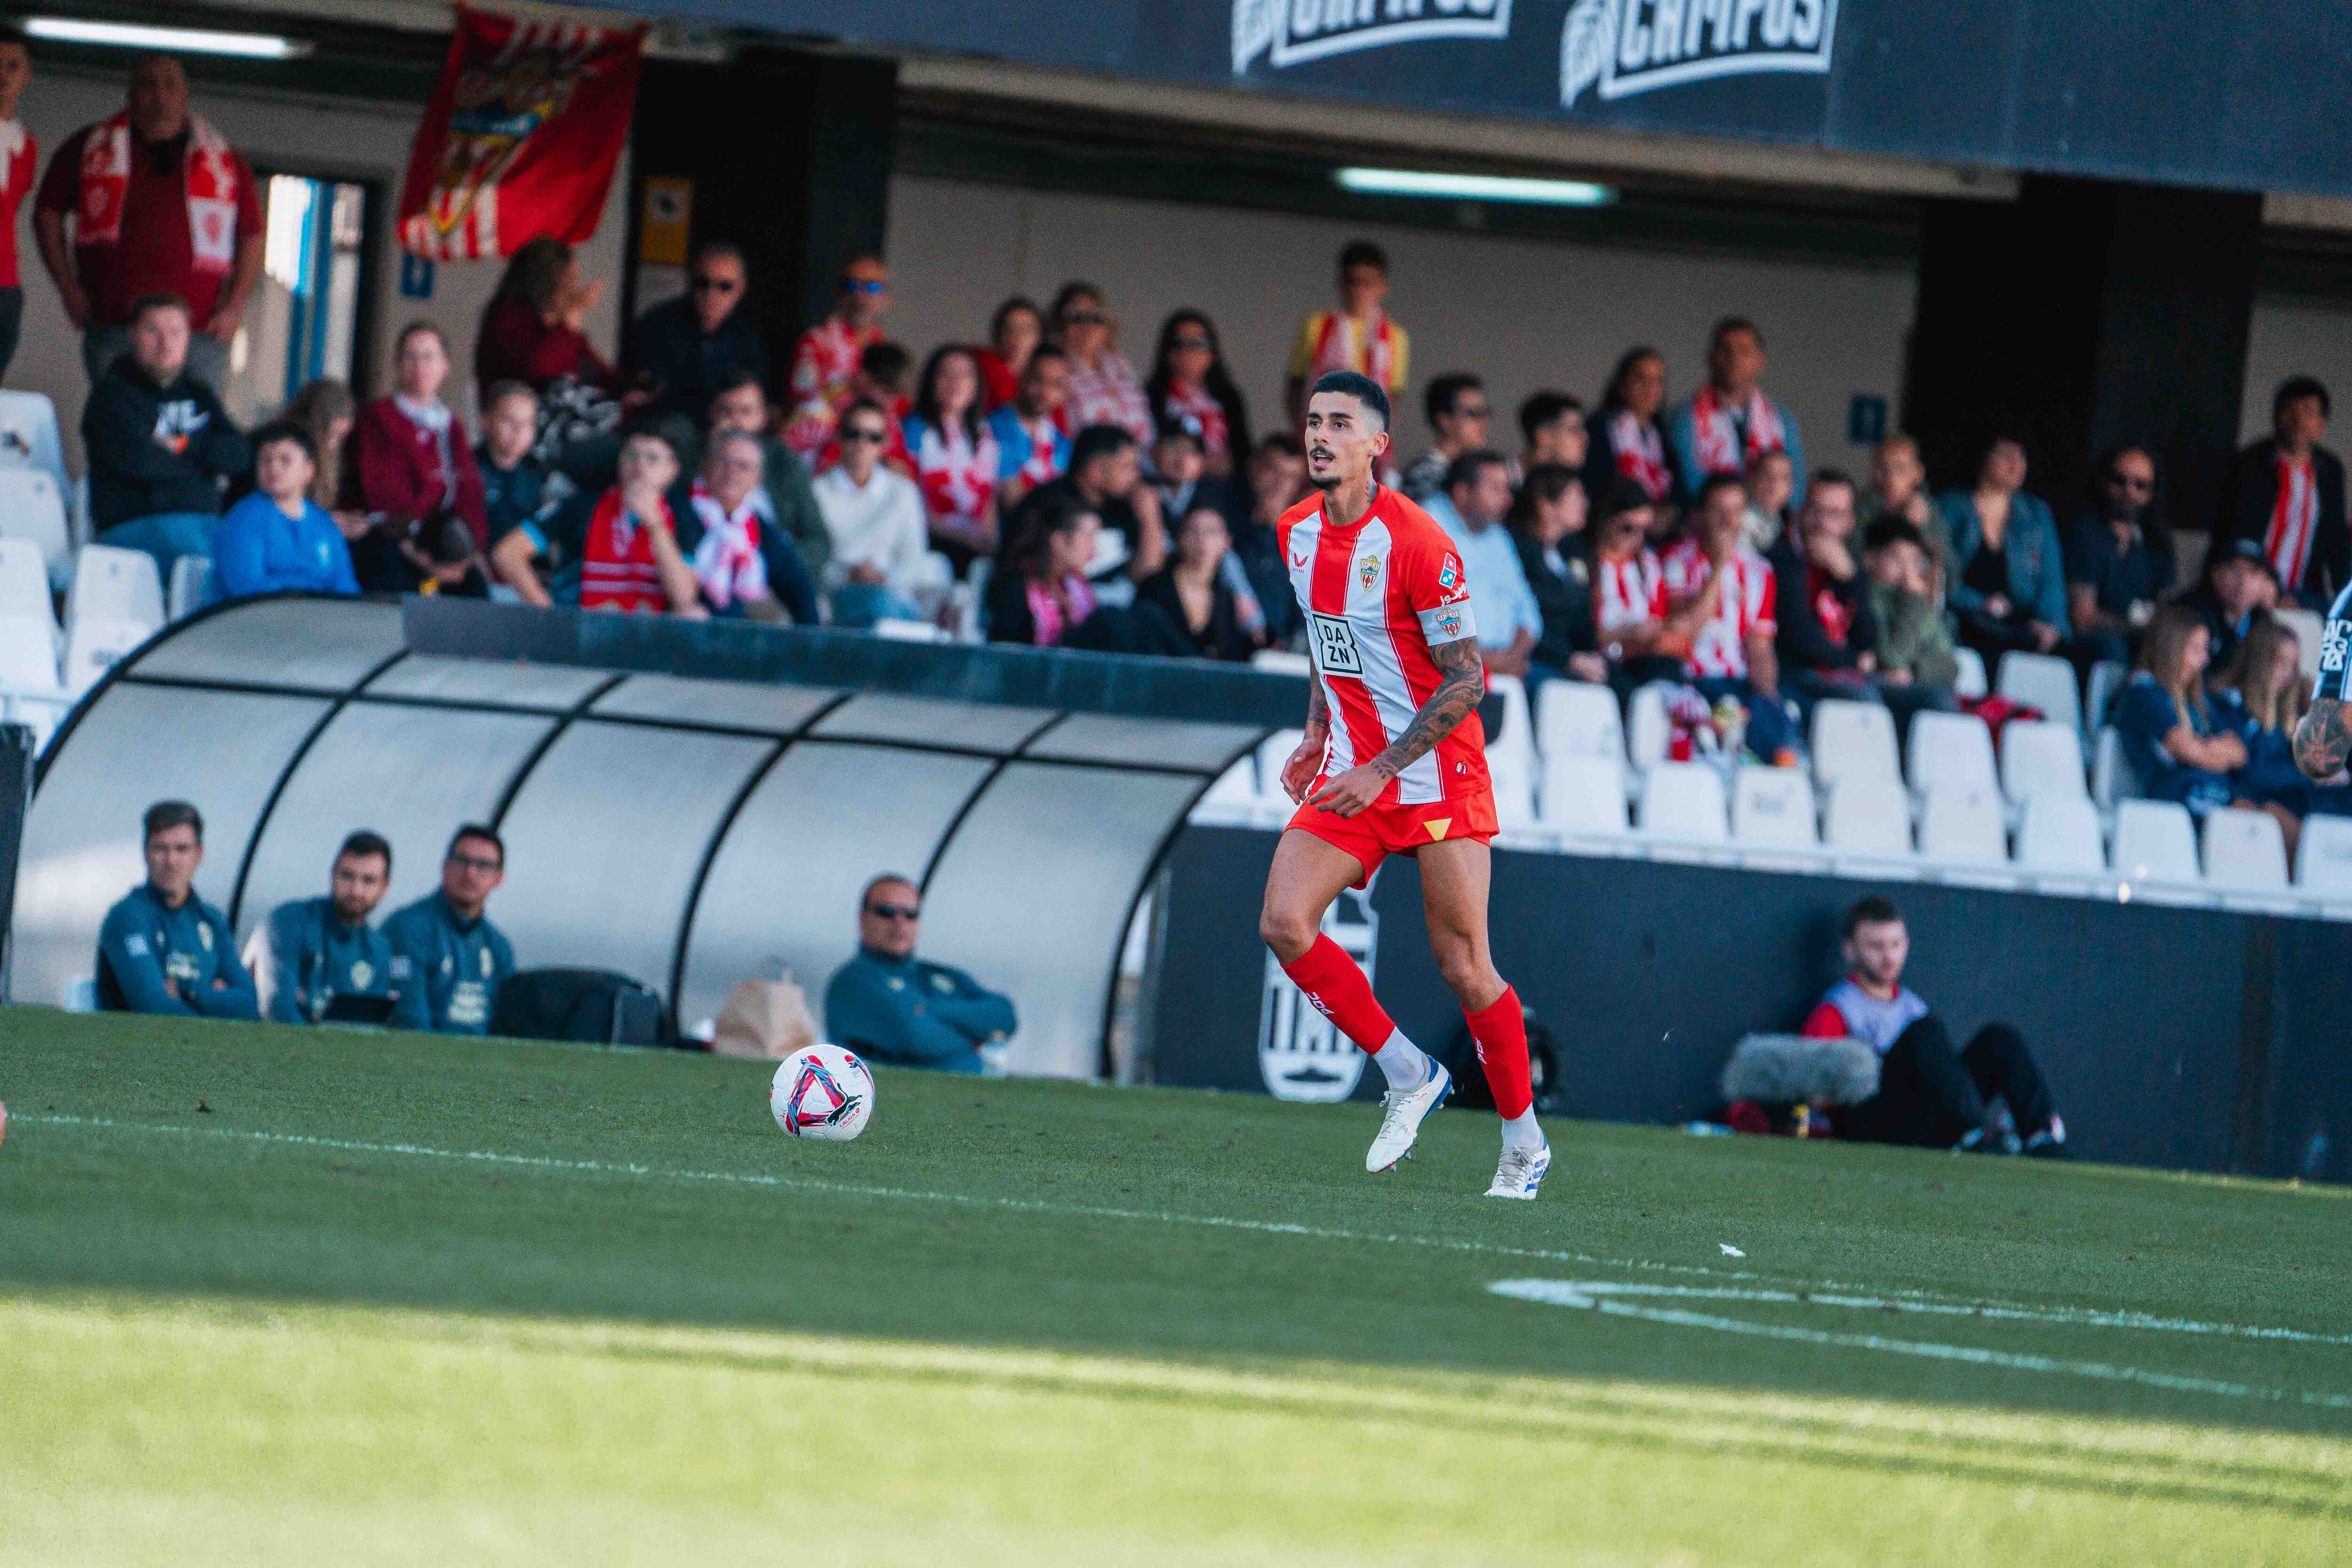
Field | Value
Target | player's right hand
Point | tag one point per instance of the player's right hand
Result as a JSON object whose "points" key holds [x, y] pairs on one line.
{"points": [[1298, 772]]}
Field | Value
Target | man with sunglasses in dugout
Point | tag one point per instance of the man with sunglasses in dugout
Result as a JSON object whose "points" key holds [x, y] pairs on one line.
{"points": [[2118, 559], [448, 959], [891, 1006], [686, 349]]}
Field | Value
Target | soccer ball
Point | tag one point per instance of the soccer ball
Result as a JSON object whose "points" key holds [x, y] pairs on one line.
{"points": [[821, 1092]]}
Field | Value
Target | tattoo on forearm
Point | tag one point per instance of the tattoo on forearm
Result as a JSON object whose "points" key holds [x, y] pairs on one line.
{"points": [[1319, 710], [2324, 738], [1455, 699]]}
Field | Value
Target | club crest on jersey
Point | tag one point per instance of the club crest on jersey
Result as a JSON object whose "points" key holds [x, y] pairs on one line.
{"points": [[1368, 569], [1448, 574], [1449, 624]]}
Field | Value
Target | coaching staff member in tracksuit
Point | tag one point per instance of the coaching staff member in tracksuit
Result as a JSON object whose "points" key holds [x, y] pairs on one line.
{"points": [[323, 948], [448, 959], [888, 1004], [162, 949]]}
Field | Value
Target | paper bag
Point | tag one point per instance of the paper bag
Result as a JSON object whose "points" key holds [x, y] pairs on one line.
{"points": [[764, 1018]]}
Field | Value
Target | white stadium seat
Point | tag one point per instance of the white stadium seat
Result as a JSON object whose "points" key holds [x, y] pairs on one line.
{"points": [[1972, 680], [29, 692], [1962, 822], [1279, 661], [2323, 856], [2309, 629], [1869, 816], [1772, 805], [893, 627], [1950, 748], [2045, 681], [2059, 834], [94, 645], [1684, 800], [2040, 758], [192, 584], [2107, 677], [29, 436], [2154, 842], [1575, 718], [24, 582], [1647, 729], [1272, 753], [33, 507], [1511, 752], [2244, 849], [1583, 795], [111, 584], [2112, 778], [1852, 740], [1237, 785]]}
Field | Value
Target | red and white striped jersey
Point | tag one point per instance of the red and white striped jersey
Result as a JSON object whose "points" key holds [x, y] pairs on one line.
{"points": [[1746, 605], [2294, 520], [1628, 592], [1377, 596]]}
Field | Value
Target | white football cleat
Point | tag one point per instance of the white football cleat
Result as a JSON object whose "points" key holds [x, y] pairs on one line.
{"points": [[1521, 1172], [1402, 1125]]}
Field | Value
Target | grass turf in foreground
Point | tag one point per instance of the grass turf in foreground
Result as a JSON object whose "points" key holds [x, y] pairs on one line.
{"points": [[1049, 1322]]}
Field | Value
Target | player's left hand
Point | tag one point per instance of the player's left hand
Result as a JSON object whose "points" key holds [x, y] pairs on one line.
{"points": [[1350, 792]]}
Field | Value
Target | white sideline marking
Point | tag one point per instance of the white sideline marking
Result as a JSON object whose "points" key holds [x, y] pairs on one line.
{"points": [[1922, 1302], [1598, 1295]]}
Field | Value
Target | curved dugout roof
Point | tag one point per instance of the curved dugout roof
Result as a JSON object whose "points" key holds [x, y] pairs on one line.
{"points": [[688, 832]]}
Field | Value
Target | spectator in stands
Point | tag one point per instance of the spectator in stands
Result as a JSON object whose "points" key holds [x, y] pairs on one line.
{"points": [[1359, 336], [628, 550], [1178, 458], [1629, 441], [448, 959], [1471, 509], [277, 540], [520, 496], [1278, 481], [1547, 524], [413, 475], [880, 542], [533, 329], [2285, 492], [1629, 594], [1929, 1096], [745, 565], [2238, 588], [826, 359], [1915, 646], [1013, 333], [686, 347], [2009, 577], [1032, 447], [1193, 590], [1724, 591], [1771, 482], [161, 205], [1828, 638], [1105, 479], [739, 403], [1190, 383], [320, 948], [893, 1007], [1727, 424], [1458, 411], [1103, 385], [881, 377], [1552, 424], [159, 443], [20, 156], [955, 455], [326, 409], [162, 949], [2118, 559], [2168, 729], [2260, 697], [1039, 593], [1899, 486]]}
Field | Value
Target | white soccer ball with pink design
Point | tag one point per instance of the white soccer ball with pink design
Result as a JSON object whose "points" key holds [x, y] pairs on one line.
{"points": [[821, 1092]]}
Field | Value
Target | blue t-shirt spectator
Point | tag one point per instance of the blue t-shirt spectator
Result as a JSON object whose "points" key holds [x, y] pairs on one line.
{"points": [[1017, 449], [446, 971], [152, 958], [260, 549], [915, 1014], [1501, 602], [2145, 713]]}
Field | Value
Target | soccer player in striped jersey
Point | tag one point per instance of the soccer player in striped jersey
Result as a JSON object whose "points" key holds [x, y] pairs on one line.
{"points": [[1394, 762]]}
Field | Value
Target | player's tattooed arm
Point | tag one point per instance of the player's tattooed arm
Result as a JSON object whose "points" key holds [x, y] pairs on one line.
{"points": [[2324, 738], [1319, 710], [1463, 682]]}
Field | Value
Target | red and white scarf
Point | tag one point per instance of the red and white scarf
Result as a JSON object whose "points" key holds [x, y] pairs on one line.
{"points": [[1046, 608], [208, 173], [1342, 343], [617, 571], [958, 475], [1716, 436], [1631, 591], [1198, 404], [1641, 453], [2294, 520], [728, 562], [1044, 464]]}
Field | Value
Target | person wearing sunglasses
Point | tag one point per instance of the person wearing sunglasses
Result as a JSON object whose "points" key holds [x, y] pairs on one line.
{"points": [[687, 348], [825, 360], [891, 1006], [2118, 558], [1191, 386], [1104, 389], [881, 563], [448, 959]]}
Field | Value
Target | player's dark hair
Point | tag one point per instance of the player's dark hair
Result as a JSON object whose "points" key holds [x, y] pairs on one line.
{"points": [[166, 814], [866, 893], [1730, 324], [2298, 387], [1462, 473], [1445, 391], [285, 430], [1362, 388], [1098, 441], [487, 834], [1872, 911], [1714, 482], [1363, 253], [1542, 409], [365, 845]]}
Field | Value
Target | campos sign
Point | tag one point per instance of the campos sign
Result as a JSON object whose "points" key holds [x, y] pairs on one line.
{"points": [[1291, 32], [1625, 46]]}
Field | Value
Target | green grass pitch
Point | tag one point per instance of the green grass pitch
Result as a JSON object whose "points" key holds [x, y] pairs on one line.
{"points": [[279, 1295]]}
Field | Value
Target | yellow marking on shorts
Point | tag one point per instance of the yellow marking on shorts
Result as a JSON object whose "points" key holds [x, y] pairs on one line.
{"points": [[1437, 826]]}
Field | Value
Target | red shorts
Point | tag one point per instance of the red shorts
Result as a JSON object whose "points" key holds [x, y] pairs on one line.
{"points": [[1377, 832]]}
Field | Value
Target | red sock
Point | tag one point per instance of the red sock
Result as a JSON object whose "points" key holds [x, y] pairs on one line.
{"points": [[1341, 994], [1500, 1030]]}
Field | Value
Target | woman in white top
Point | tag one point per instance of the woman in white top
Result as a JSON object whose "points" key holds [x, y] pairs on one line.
{"points": [[874, 517]]}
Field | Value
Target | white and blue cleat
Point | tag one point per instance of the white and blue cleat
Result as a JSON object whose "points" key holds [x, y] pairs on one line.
{"points": [[1521, 1172], [1402, 1125]]}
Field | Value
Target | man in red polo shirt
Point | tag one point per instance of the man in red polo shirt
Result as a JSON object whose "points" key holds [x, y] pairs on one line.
{"points": [[19, 156], [161, 205]]}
